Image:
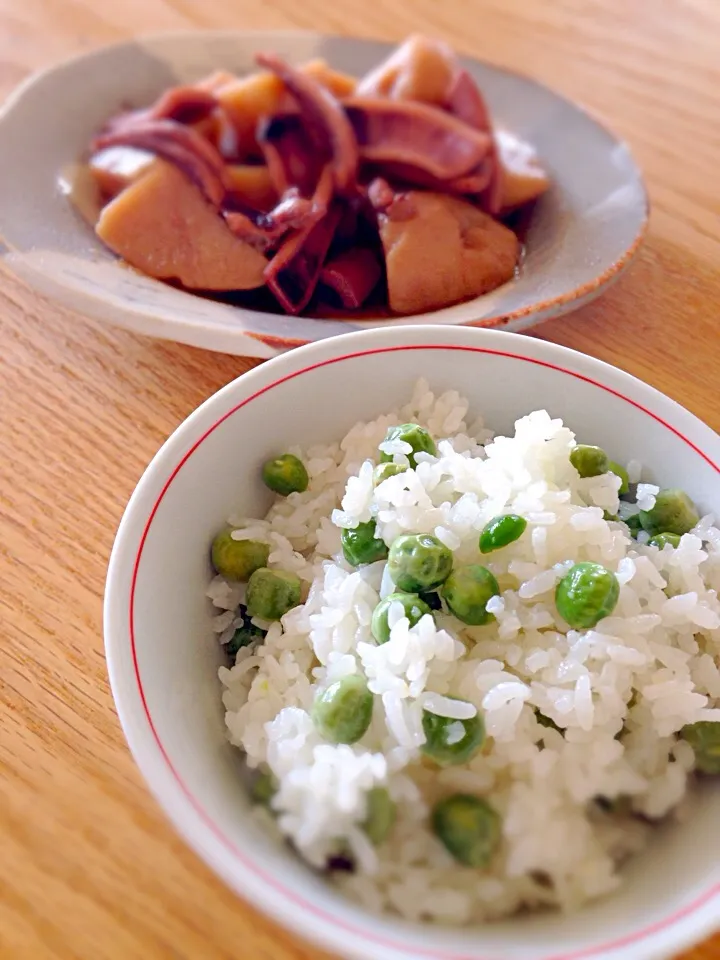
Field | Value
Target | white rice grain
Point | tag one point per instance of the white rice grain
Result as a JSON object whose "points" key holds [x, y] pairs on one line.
{"points": [[445, 707], [619, 692]]}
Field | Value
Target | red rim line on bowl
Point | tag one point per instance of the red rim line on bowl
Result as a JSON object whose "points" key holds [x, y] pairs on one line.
{"points": [[217, 831]]}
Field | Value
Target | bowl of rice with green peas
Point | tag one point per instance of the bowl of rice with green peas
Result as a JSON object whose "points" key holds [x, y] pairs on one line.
{"points": [[423, 653]]}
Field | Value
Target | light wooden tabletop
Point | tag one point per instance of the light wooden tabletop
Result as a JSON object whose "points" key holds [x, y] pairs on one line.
{"points": [[90, 868]]}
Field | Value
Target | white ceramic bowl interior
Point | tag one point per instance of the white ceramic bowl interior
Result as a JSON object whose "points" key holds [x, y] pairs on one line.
{"points": [[163, 658]]}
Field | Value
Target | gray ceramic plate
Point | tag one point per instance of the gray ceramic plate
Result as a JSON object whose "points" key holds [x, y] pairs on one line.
{"points": [[582, 234]]}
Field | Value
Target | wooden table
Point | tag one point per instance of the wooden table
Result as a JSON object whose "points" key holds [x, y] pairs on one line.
{"points": [[90, 868]]}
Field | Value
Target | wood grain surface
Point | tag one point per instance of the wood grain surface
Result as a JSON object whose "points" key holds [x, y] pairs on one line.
{"points": [[89, 868]]}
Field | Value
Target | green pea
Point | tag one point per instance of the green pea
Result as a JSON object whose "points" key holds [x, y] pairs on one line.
{"points": [[360, 545], [468, 827], [244, 635], [467, 591], [415, 609], [586, 594], [418, 438], [662, 539], [633, 523], [385, 470], [380, 815], [237, 559], [704, 738], [674, 512], [264, 788], [450, 742], [621, 472], [271, 593], [589, 461], [419, 562], [285, 474], [500, 531], [343, 711]]}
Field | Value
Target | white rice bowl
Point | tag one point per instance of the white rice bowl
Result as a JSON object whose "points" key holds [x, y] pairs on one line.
{"points": [[645, 671]]}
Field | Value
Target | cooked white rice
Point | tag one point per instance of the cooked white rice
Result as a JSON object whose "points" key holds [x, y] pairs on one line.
{"points": [[648, 669]]}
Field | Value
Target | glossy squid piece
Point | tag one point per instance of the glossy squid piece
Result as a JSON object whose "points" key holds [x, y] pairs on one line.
{"points": [[302, 179]]}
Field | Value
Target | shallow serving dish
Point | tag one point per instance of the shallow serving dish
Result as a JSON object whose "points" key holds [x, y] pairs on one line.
{"points": [[163, 658], [582, 234]]}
